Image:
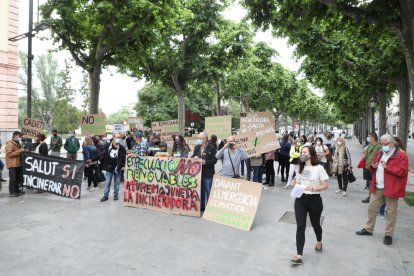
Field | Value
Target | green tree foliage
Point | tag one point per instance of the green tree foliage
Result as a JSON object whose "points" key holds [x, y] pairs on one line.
{"points": [[119, 117], [181, 49], [93, 31]]}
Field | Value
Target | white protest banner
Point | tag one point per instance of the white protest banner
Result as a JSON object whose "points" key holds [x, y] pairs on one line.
{"points": [[219, 125], [233, 202], [118, 128], [31, 128], [258, 141], [256, 120]]}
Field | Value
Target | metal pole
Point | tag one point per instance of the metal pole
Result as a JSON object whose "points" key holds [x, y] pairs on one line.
{"points": [[29, 61], [373, 119]]}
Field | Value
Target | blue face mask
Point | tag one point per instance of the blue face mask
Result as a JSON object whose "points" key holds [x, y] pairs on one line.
{"points": [[117, 141], [177, 142], [199, 142], [386, 149]]}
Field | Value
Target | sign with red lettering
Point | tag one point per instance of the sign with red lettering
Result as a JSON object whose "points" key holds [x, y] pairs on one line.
{"points": [[233, 202], [55, 175], [170, 185]]}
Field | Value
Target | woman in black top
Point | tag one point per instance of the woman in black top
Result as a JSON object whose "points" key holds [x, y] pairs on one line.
{"points": [[40, 145]]}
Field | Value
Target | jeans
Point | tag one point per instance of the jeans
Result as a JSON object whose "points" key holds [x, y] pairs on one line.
{"points": [[292, 169], [313, 205], [109, 176], [381, 210], [15, 179], [206, 184], [257, 174], [1, 165]]}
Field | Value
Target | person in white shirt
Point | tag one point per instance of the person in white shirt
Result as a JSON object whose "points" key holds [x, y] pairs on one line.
{"points": [[313, 178]]}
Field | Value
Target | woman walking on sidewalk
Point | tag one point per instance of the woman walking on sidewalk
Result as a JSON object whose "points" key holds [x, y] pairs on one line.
{"points": [[341, 165], [313, 178], [294, 160]]}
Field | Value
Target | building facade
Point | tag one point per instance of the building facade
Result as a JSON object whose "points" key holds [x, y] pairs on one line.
{"points": [[9, 68]]}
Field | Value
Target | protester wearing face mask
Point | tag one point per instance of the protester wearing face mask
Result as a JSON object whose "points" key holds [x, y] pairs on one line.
{"points": [[341, 165], [205, 152], [114, 161], [371, 151], [321, 151], [55, 144], [180, 148], [155, 145], [232, 156], [389, 180], [294, 160], [140, 148], [14, 164], [72, 146], [314, 179]]}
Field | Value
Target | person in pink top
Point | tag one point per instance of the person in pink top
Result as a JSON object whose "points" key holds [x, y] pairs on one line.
{"points": [[270, 170]]}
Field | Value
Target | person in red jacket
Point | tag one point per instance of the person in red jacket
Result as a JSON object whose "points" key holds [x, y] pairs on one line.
{"points": [[389, 179]]}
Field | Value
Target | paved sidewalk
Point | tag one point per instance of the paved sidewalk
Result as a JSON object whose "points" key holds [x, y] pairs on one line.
{"points": [[42, 234]]}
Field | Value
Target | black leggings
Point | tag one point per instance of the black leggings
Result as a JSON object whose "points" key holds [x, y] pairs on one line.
{"points": [[313, 205], [284, 166], [270, 172], [342, 181], [89, 172]]}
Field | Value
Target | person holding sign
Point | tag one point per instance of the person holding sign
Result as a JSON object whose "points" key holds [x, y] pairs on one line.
{"points": [[232, 156], [312, 179], [14, 164], [207, 153], [180, 148], [90, 154], [114, 160], [72, 146]]}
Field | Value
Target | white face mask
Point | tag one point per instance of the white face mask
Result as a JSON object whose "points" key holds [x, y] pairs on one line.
{"points": [[318, 143], [339, 143], [368, 139]]}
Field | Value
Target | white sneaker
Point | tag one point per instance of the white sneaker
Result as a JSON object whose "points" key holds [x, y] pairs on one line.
{"points": [[344, 193], [97, 188], [93, 189], [339, 191], [287, 186]]}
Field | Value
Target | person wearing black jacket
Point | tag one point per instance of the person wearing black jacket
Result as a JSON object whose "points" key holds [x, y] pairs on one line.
{"points": [[40, 145], [114, 160], [207, 153]]}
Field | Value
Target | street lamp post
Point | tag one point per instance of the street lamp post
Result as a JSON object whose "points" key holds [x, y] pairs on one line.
{"points": [[372, 104], [30, 34]]}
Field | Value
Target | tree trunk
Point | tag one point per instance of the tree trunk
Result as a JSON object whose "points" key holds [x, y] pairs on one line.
{"points": [[218, 98], [277, 123], [245, 103], [382, 102], [407, 37], [181, 104], [94, 88], [364, 128], [404, 108], [286, 123]]}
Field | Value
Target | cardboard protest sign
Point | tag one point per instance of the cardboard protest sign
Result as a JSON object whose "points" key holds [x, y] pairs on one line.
{"points": [[55, 175], [220, 126], [170, 185], [256, 120], [258, 141], [165, 129], [135, 123], [31, 128], [233, 202], [191, 141], [93, 124]]}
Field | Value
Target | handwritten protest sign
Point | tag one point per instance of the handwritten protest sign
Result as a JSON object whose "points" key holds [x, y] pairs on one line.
{"points": [[258, 141], [165, 129], [191, 141], [118, 128], [135, 123], [220, 126], [256, 120], [170, 185], [93, 124], [54, 175], [233, 202], [31, 128]]}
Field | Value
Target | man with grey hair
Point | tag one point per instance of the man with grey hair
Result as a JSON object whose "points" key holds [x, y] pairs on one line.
{"points": [[206, 154], [389, 178], [232, 156]]}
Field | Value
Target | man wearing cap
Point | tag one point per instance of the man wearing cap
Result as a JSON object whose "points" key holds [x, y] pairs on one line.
{"points": [[14, 164], [55, 144], [140, 148]]}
